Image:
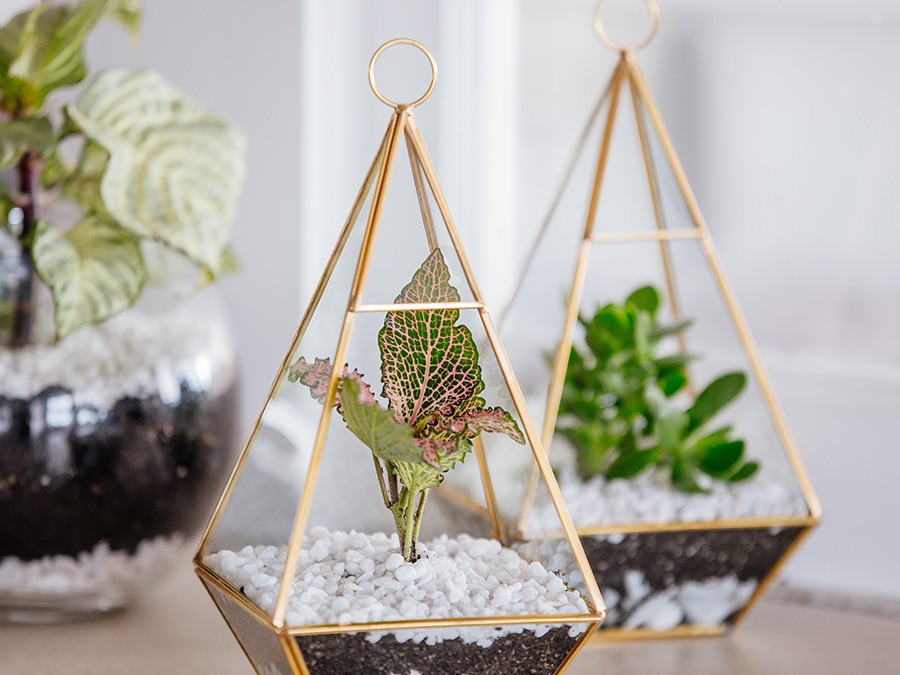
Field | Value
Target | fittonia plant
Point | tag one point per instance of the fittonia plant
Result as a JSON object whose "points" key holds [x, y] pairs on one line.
{"points": [[432, 380], [620, 410]]}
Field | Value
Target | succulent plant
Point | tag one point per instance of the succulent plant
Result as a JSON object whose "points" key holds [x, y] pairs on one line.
{"points": [[620, 410]]}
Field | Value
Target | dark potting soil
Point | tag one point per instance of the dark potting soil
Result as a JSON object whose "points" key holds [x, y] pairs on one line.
{"points": [[73, 476], [515, 654], [668, 559]]}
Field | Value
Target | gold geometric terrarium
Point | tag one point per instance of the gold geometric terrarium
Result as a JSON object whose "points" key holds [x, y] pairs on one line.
{"points": [[672, 454], [296, 557]]}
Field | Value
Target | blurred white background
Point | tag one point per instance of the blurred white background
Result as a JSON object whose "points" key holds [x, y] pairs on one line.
{"points": [[783, 113]]}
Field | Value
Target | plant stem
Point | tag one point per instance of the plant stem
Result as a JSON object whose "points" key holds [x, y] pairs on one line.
{"points": [[23, 323], [410, 513], [379, 470], [419, 510]]}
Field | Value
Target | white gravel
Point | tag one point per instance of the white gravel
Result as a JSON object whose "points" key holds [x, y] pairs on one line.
{"points": [[708, 602], [133, 354], [350, 577], [92, 572], [648, 498]]}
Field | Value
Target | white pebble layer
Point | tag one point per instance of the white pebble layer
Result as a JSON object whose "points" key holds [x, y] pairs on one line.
{"points": [[706, 603], [348, 578], [647, 499], [132, 354], [94, 571]]}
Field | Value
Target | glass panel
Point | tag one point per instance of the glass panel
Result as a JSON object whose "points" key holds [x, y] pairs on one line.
{"points": [[261, 508], [258, 642], [402, 243]]}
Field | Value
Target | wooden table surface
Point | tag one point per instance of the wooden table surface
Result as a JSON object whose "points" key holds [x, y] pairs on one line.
{"points": [[176, 630]]}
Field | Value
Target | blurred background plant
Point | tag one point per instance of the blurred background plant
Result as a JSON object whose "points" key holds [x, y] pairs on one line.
{"points": [[139, 160]]}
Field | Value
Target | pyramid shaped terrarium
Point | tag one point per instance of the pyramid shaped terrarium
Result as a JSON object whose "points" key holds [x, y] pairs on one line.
{"points": [[672, 454], [339, 560]]}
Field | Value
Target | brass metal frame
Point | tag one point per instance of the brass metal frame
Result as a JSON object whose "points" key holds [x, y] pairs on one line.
{"points": [[628, 73], [402, 125]]}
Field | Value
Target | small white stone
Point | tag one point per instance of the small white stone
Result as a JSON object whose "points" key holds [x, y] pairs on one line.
{"points": [[405, 573]]}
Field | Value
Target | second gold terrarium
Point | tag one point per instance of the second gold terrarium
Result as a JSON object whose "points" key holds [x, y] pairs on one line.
{"points": [[342, 559], [672, 454]]}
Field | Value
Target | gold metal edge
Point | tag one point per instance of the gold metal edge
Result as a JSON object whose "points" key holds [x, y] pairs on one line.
{"points": [[604, 636], [773, 573], [417, 306], [293, 654], [660, 235], [686, 526], [498, 531], [201, 570], [419, 184], [421, 152], [390, 626], [582, 641]]}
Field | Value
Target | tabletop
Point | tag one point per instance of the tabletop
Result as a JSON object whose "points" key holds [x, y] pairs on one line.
{"points": [[175, 629]]}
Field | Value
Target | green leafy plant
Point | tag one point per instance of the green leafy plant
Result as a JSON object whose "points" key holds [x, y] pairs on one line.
{"points": [[140, 160], [619, 408], [432, 379]]}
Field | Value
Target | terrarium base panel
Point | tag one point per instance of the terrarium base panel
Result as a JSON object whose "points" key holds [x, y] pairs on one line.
{"points": [[353, 654], [693, 580], [259, 642]]}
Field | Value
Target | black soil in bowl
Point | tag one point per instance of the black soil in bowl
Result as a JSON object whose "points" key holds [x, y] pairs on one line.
{"points": [[73, 476]]}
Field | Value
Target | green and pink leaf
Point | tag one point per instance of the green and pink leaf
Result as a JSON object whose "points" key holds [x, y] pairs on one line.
{"points": [[492, 420], [429, 364], [317, 375]]}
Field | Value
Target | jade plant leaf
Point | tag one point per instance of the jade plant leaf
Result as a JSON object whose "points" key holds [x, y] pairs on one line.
{"points": [[19, 135], [43, 48], [645, 298], [722, 459], [429, 364], [174, 169], [719, 393], [746, 471], [93, 270]]}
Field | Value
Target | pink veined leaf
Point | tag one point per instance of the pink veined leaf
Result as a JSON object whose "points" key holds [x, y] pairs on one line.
{"points": [[433, 448], [495, 420], [316, 376], [429, 364], [473, 417]]}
